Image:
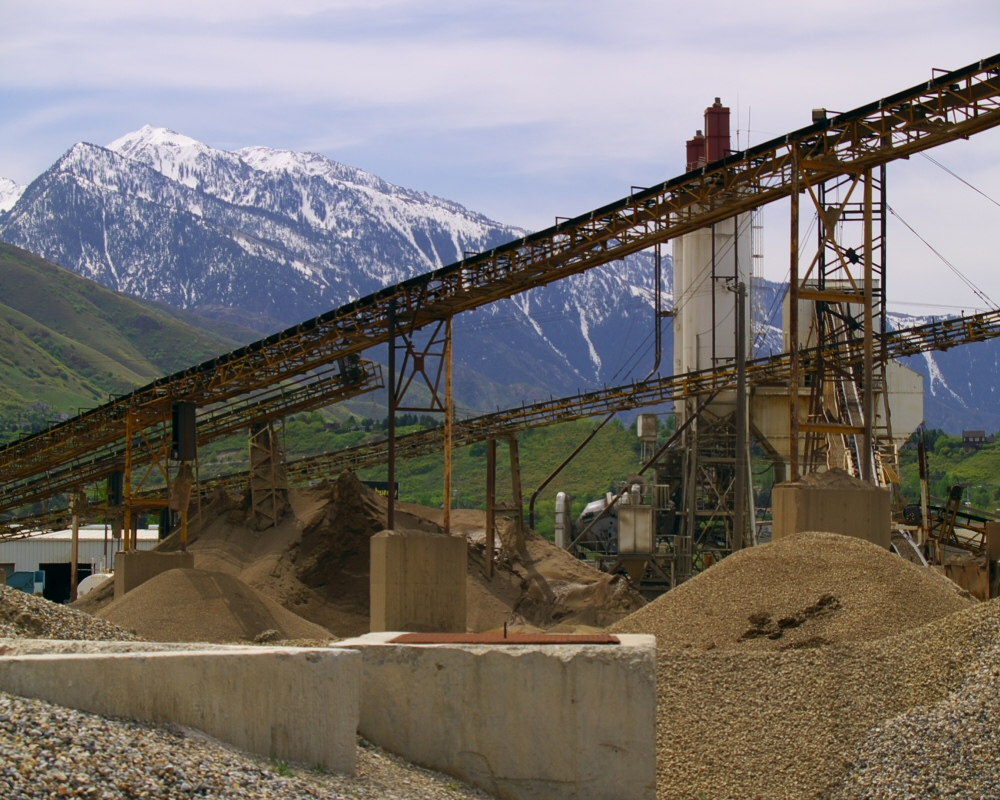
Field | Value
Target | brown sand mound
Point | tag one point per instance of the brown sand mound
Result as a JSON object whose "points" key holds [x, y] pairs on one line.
{"points": [[806, 590], [192, 605], [316, 563]]}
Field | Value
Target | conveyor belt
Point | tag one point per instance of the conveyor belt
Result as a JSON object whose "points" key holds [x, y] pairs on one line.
{"points": [[953, 105]]}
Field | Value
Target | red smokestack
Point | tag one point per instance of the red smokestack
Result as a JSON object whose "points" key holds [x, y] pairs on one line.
{"points": [[716, 132], [696, 151]]}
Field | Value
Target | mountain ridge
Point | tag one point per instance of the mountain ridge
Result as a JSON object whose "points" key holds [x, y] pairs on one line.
{"points": [[272, 237]]}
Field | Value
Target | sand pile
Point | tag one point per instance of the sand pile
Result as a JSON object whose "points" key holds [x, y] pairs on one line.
{"points": [[316, 564], [193, 605], [861, 638], [805, 590]]}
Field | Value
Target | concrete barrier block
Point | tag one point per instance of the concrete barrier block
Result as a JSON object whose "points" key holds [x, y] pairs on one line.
{"points": [[864, 512], [522, 722], [296, 704], [133, 567], [418, 582]]}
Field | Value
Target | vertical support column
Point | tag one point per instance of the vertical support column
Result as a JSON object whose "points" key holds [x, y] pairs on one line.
{"points": [[74, 557], [793, 324], [491, 502], [390, 521], [868, 403], [515, 485], [448, 420], [268, 482], [742, 445], [127, 489]]}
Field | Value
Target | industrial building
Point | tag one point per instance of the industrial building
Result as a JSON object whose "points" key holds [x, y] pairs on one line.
{"points": [[50, 553]]}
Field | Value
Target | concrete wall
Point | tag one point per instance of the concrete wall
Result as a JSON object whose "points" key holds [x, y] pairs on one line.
{"points": [[853, 511], [418, 582], [522, 722], [296, 704], [133, 568]]}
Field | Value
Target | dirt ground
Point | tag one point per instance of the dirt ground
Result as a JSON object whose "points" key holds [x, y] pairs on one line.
{"points": [[315, 564]]}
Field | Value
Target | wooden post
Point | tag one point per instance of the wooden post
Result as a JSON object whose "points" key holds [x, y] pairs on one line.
{"points": [[448, 419], [793, 325], [491, 502]]}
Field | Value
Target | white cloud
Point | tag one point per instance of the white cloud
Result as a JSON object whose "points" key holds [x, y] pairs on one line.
{"points": [[519, 108]]}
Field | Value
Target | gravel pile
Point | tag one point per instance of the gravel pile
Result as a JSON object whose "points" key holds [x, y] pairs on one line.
{"points": [[948, 747], [834, 706], [802, 591], [23, 615], [56, 752]]}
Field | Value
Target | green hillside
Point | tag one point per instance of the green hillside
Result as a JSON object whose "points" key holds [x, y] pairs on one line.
{"points": [[67, 343], [609, 458], [948, 463]]}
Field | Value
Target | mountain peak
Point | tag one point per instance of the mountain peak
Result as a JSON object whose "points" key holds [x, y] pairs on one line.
{"points": [[10, 192], [178, 157], [150, 137]]}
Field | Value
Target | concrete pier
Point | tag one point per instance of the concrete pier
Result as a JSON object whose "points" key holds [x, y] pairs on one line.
{"points": [[523, 722]]}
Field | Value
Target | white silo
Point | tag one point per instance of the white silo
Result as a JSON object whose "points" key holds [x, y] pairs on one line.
{"points": [[708, 266]]}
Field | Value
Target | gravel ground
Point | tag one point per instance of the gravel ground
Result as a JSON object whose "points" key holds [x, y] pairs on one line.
{"points": [[825, 709], [47, 751], [24, 615]]}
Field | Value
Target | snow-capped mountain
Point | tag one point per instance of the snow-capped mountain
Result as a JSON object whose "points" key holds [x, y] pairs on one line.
{"points": [[10, 193], [269, 238]]}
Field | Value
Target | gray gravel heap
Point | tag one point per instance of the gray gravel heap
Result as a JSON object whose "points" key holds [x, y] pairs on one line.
{"points": [[24, 615], [50, 752], [836, 705]]}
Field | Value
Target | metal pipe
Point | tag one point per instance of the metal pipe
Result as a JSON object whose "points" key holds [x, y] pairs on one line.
{"points": [[491, 502], [390, 514], [868, 402], [655, 457], [793, 323], [742, 444], [557, 470], [448, 417]]}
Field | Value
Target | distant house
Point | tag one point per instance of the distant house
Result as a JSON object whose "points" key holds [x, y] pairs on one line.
{"points": [[973, 440]]}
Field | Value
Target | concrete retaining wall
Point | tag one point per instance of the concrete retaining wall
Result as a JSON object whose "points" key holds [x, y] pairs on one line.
{"points": [[296, 704], [133, 568], [545, 722]]}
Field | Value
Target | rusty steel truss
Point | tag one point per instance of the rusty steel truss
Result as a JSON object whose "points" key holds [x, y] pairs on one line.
{"points": [[951, 106], [938, 335]]}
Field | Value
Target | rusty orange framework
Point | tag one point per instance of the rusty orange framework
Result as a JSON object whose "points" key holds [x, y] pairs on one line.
{"points": [[938, 335], [78, 469], [950, 106]]}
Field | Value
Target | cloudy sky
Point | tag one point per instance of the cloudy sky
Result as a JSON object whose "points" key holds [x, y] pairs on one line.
{"points": [[522, 109]]}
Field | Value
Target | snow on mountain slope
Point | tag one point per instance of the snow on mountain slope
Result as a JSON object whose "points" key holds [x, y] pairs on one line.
{"points": [[272, 237], [283, 236], [10, 193]]}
